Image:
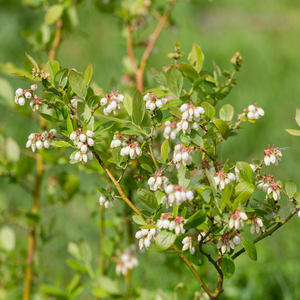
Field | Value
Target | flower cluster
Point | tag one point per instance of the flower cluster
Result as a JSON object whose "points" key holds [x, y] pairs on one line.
{"points": [[253, 112], [176, 194], [111, 102], [182, 155], [126, 262], [188, 243], [190, 117], [257, 225], [132, 148], [40, 140], [269, 186], [236, 219], [158, 181], [229, 241], [39, 73], [272, 156], [171, 222], [152, 102], [145, 237], [170, 130], [83, 140], [222, 179], [21, 95]]}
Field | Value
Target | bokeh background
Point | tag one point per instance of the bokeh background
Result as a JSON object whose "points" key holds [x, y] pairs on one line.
{"points": [[267, 34]]}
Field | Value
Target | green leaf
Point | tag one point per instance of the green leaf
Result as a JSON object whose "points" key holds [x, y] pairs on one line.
{"points": [[54, 13], [78, 84], [222, 128], [226, 194], [93, 101], [246, 171], [175, 80], [180, 292], [165, 240], [226, 112], [60, 78], [12, 149], [164, 149], [210, 111], [88, 74], [188, 71], [103, 192], [51, 67], [54, 291], [7, 238], [297, 118], [211, 179], [34, 63], [199, 81], [175, 112], [6, 92], [196, 138], [195, 220], [115, 119], [60, 144], [83, 111], [196, 58], [131, 131], [117, 157], [159, 77], [138, 220], [138, 107], [110, 286], [243, 191], [148, 198], [127, 104], [73, 249], [185, 139], [293, 132], [184, 176], [249, 248], [70, 128], [227, 266], [290, 188]]}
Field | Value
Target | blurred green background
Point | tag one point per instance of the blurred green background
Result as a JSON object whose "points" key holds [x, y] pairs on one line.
{"points": [[267, 34]]}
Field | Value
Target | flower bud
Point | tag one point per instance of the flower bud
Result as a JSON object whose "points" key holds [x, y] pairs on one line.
{"points": [[166, 224], [83, 149], [144, 231], [39, 144], [152, 106], [19, 92], [33, 87], [183, 107], [147, 243], [82, 137], [159, 103], [77, 155], [103, 101], [21, 101], [139, 235], [53, 131], [47, 144], [90, 142], [190, 195], [172, 225], [90, 155], [84, 157], [102, 199], [109, 108], [267, 160], [90, 133], [28, 95], [106, 204], [138, 151], [28, 144], [243, 215], [237, 240]]}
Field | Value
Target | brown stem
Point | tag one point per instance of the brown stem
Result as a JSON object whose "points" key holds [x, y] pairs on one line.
{"points": [[56, 41], [267, 233], [32, 233], [130, 48]]}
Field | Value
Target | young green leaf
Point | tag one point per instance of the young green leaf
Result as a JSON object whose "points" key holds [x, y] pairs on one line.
{"points": [[148, 198], [184, 176], [175, 80], [138, 107], [249, 248], [159, 77], [54, 13], [293, 132], [138, 220], [226, 112], [290, 188], [51, 67], [196, 138], [196, 58], [243, 191], [117, 156], [60, 79], [83, 111], [297, 118], [210, 111], [212, 181], [226, 194], [246, 172], [164, 149], [88, 74], [227, 266], [165, 239], [197, 258], [50, 118], [127, 104], [195, 220], [34, 63], [180, 292], [222, 128], [188, 71], [69, 125], [78, 84], [60, 144]]}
